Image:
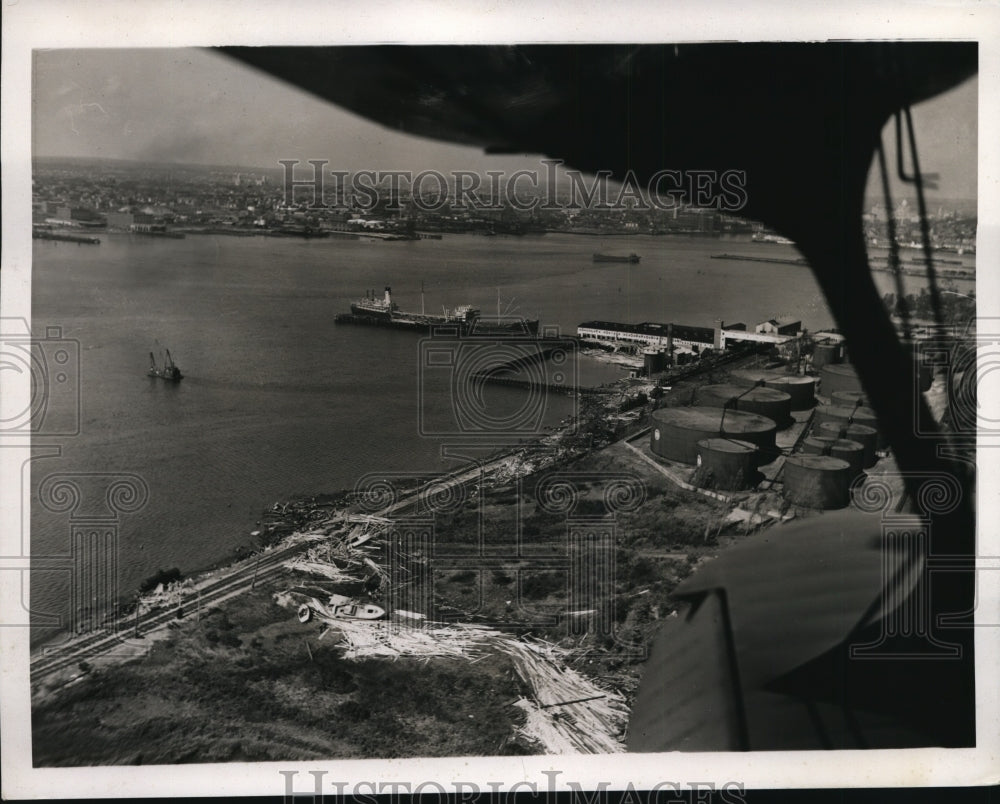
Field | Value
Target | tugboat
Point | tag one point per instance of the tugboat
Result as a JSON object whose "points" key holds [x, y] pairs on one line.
{"points": [[169, 372], [632, 259]]}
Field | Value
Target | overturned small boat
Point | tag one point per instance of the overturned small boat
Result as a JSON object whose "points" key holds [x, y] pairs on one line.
{"points": [[339, 607]]}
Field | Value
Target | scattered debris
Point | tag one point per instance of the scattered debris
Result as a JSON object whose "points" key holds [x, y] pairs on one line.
{"points": [[566, 713]]}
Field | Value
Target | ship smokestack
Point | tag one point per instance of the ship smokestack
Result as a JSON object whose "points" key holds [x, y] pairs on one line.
{"points": [[388, 295]]}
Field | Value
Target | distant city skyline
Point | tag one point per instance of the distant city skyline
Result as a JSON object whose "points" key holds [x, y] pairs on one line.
{"points": [[197, 106]]}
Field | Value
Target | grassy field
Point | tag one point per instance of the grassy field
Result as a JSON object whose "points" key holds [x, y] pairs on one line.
{"points": [[241, 685]]}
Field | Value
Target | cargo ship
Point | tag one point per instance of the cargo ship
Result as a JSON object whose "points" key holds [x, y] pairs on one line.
{"points": [[374, 307], [373, 310], [632, 259]]}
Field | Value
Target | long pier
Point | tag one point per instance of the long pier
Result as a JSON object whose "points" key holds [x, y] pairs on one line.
{"points": [[498, 375], [525, 360]]}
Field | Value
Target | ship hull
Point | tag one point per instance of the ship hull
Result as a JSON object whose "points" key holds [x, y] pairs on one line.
{"points": [[169, 377], [426, 324], [384, 315]]}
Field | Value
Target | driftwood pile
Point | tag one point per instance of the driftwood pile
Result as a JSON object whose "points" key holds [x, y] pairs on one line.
{"points": [[566, 711]]}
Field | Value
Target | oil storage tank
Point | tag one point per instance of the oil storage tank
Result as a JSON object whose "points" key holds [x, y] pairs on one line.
{"points": [[825, 354], [839, 377], [849, 398], [856, 415], [864, 435], [847, 450], [817, 481], [800, 389], [732, 463], [675, 432], [843, 377], [841, 413], [776, 405], [653, 361], [747, 377]]}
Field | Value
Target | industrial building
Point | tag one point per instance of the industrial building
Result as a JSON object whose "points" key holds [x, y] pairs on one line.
{"points": [[779, 326], [649, 334], [679, 336]]}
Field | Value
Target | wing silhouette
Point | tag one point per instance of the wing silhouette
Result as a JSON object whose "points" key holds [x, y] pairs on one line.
{"points": [[766, 651]]}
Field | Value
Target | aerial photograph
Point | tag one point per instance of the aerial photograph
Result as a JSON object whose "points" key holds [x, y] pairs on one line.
{"points": [[398, 401]]}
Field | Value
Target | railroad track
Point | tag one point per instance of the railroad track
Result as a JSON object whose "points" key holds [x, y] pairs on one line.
{"points": [[123, 634]]}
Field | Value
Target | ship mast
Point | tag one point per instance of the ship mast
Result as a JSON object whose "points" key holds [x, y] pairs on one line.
{"points": [[421, 297]]}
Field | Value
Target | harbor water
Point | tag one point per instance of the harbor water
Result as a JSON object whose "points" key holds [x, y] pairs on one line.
{"points": [[277, 401]]}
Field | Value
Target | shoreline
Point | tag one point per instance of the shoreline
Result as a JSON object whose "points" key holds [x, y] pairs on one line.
{"points": [[303, 506], [538, 452], [259, 636]]}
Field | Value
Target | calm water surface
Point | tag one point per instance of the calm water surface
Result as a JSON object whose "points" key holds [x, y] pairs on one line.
{"points": [[278, 401]]}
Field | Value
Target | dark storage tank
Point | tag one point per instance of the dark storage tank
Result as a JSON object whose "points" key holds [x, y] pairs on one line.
{"points": [[675, 432], [653, 362], [857, 415], [840, 377], [847, 450], [849, 398], [748, 377], [817, 481], [841, 413], [827, 354], [776, 405], [801, 390], [732, 464], [864, 435]]}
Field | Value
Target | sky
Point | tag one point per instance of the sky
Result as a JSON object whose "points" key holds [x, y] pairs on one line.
{"points": [[188, 105], [199, 106]]}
